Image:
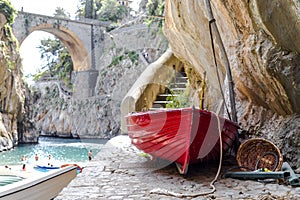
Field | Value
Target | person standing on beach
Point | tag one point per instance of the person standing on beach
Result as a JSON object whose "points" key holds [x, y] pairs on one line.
{"points": [[90, 155], [24, 167]]}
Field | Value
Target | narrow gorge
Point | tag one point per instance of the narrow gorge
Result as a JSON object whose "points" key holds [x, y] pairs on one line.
{"points": [[262, 43]]}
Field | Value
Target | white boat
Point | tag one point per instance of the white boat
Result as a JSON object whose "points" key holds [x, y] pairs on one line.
{"points": [[34, 185]]}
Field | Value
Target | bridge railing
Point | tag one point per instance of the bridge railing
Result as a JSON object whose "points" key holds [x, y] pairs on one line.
{"points": [[79, 20]]}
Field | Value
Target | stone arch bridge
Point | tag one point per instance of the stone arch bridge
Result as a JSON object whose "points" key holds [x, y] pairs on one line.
{"points": [[82, 38]]}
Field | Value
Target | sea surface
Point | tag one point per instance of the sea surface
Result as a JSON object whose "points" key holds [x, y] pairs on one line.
{"points": [[61, 150]]}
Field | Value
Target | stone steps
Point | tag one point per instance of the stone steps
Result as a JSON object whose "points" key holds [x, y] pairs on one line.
{"points": [[175, 88]]}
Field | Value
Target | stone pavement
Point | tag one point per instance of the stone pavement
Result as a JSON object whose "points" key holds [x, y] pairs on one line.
{"points": [[120, 171]]}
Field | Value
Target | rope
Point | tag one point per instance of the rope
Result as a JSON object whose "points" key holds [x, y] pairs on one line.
{"points": [[216, 65], [183, 195]]}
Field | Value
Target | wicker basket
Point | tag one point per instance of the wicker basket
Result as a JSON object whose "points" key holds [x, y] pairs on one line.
{"points": [[259, 153]]}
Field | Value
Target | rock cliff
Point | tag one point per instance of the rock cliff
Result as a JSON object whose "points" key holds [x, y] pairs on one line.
{"points": [[261, 39], [14, 124]]}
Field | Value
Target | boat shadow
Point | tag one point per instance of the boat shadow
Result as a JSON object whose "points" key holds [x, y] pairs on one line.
{"points": [[164, 174], [164, 167]]}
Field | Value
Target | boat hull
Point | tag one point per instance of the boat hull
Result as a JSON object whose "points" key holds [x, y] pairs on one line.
{"points": [[41, 187], [184, 136]]}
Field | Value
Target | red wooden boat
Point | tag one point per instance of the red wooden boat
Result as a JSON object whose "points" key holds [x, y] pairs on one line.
{"points": [[183, 135]]}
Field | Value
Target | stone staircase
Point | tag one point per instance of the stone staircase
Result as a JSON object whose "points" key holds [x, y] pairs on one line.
{"points": [[175, 87]]}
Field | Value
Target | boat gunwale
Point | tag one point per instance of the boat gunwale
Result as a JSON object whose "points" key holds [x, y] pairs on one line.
{"points": [[34, 181]]}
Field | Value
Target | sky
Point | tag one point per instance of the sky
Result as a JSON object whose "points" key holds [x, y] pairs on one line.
{"points": [[28, 50], [46, 7]]}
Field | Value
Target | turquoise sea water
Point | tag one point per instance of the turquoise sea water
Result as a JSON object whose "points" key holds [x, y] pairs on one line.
{"points": [[62, 150]]}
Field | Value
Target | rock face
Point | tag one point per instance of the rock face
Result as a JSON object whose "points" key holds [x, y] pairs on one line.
{"points": [[14, 124], [261, 39]]}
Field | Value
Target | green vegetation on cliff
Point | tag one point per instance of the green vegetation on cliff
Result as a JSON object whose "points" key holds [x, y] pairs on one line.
{"points": [[10, 13], [131, 55], [8, 10]]}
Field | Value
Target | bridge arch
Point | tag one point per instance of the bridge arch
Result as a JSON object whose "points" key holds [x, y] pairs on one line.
{"points": [[76, 48], [83, 39]]}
